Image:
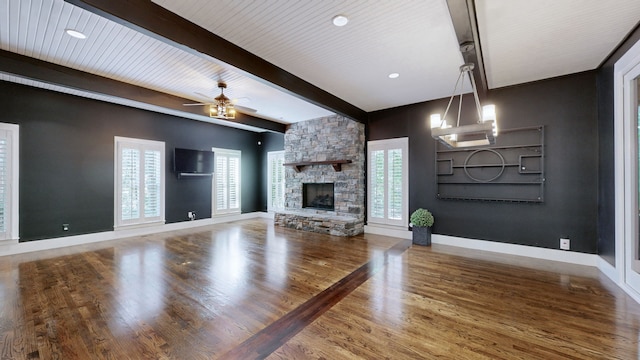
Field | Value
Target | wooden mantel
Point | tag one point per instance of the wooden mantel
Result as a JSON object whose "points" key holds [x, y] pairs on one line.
{"points": [[337, 164]]}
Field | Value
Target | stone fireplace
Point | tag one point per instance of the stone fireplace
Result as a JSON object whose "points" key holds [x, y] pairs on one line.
{"points": [[327, 152]]}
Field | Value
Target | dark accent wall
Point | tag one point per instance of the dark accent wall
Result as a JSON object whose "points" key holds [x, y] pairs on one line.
{"points": [[67, 160], [566, 106], [606, 156]]}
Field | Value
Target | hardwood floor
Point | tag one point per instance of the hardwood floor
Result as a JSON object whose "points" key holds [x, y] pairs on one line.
{"points": [[249, 290]]}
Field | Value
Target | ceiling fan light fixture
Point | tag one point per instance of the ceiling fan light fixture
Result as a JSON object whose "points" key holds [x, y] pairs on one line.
{"points": [[222, 107]]}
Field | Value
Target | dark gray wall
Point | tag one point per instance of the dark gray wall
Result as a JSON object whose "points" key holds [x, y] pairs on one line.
{"points": [[67, 160], [606, 179], [566, 106]]}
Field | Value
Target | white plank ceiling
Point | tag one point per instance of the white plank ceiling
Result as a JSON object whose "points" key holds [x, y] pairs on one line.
{"points": [[35, 28], [414, 38], [522, 41], [525, 40]]}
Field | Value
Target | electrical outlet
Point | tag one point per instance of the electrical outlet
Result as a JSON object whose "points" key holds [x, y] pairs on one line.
{"points": [[65, 227], [191, 215], [565, 244]]}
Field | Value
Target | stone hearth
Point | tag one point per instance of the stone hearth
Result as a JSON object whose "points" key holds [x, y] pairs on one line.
{"points": [[323, 139]]}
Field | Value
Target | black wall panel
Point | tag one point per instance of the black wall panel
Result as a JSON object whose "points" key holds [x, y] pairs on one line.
{"points": [[606, 179], [67, 160], [566, 106]]}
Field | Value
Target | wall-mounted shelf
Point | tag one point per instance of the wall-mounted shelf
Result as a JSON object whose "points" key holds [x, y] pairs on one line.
{"points": [[337, 164]]}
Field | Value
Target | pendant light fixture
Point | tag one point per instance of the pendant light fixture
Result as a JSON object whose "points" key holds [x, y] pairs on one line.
{"points": [[484, 132]]}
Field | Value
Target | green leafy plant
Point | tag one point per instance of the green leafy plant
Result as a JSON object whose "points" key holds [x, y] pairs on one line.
{"points": [[421, 217]]}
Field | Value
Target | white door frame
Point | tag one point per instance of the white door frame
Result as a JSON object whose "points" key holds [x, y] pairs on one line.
{"points": [[626, 69]]}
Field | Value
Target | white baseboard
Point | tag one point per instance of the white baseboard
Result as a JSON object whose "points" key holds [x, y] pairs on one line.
{"points": [[387, 231], [14, 247], [496, 247], [570, 257], [609, 270]]}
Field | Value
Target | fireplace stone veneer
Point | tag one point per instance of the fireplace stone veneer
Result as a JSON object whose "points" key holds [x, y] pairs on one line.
{"points": [[322, 140]]}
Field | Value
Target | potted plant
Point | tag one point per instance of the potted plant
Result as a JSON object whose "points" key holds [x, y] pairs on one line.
{"points": [[421, 222]]}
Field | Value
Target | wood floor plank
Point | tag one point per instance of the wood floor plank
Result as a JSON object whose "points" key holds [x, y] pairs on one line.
{"points": [[279, 332], [248, 289], [443, 306]]}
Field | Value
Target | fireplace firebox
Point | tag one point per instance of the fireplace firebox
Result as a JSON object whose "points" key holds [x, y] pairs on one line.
{"points": [[318, 196]]}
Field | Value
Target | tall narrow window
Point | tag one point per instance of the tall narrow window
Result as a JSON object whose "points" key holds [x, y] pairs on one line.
{"points": [[139, 179], [388, 182], [9, 181], [226, 184], [275, 189]]}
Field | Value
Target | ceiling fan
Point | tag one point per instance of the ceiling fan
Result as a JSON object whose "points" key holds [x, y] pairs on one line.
{"points": [[222, 107]]}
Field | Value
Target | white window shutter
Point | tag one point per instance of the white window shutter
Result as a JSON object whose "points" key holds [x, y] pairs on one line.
{"points": [[234, 183], [388, 182], [4, 180], [395, 184], [130, 167], [227, 181], [139, 177], [377, 177], [221, 182], [152, 174], [275, 181], [9, 185]]}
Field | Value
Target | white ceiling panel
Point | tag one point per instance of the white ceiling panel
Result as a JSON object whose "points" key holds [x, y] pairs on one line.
{"points": [[414, 38], [35, 28], [524, 40]]}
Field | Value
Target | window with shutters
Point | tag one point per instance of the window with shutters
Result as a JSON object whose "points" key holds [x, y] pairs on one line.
{"points": [[139, 179], [275, 189], [9, 136], [226, 181], [388, 182]]}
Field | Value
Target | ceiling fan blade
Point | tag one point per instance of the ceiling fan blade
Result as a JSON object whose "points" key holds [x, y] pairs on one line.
{"points": [[245, 109], [197, 104]]}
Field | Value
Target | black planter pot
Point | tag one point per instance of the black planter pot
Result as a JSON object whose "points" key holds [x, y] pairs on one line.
{"points": [[421, 235]]}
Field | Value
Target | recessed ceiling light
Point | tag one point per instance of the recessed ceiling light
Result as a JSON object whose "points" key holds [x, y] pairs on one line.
{"points": [[340, 20], [75, 33], [393, 75]]}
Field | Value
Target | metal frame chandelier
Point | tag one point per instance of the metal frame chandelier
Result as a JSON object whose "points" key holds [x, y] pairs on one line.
{"points": [[222, 107], [484, 132]]}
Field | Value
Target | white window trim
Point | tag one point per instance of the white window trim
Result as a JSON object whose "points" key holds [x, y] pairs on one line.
{"points": [[388, 144], [13, 187], [230, 153], [148, 145], [270, 156]]}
